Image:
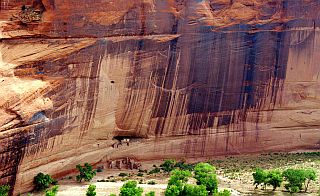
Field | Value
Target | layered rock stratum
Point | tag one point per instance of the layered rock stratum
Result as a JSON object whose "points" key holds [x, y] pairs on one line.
{"points": [[177, 78]]}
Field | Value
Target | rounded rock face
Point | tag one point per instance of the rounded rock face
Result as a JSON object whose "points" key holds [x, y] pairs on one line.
{"points": [[103, 81]]}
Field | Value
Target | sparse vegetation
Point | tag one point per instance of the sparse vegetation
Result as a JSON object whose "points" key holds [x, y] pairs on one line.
{"points": [[91, 191], [43, 181], [123, 174], [154, 171], [86, 172], [151, 182], [168, 165], [4, 190]]}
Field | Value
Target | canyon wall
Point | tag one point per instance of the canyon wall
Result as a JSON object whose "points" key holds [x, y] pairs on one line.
{"points": [[179, 78]]}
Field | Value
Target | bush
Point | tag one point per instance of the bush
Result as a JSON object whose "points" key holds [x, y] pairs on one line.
{"points": [[123, 174], [205, 174], [274, 178], [42, 181], [168, 165], [151, 182], [140, 174], [53, 191], [91, 191], [184, 166], [260, 177], [194, 190], [151, 193], [225, 192], [130, 189], [4, 190], [154, 171], [99, 169], [86, 172]]}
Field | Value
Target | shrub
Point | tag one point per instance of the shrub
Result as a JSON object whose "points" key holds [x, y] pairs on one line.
{"points": [[42, 181], [99, 169], [259, 177], [91, 191], [130, 189], [194, 190], [151, 193], [4, 190], [168, 165], [123, 174], [112, 194], [140, 174], [184, 166], [124, 179], [151, 182], [86, 172], [205, 174], [154, 171], [274, 178], [225, 192], [53, 191]]}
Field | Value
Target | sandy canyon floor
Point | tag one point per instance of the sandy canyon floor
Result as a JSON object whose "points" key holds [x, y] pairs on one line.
{"points": [[234, 173]]}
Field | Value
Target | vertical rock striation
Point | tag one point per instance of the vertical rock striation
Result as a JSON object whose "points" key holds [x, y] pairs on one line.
{"points": [[178, 78]]}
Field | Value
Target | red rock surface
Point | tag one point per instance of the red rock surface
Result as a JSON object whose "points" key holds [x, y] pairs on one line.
{"points": [[181, 78]]}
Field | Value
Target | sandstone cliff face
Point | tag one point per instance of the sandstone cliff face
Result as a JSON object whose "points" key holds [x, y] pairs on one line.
{"points": [[181, 78]]}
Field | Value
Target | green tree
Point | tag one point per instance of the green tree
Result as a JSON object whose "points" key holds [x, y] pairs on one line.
{"points": [[173, 190], [42, 181], [86, 172], [205, 174], [310, 175], [194, 190], [53, 191], [295, 179], [225, 192], [130, 188], [4, 190], [168, 165], [260, 177], [151, 193], [274, 178], [177, 182], [91, 191]]}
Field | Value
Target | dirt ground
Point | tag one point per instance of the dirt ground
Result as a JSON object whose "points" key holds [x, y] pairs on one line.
{"points": [[234, 174]]}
